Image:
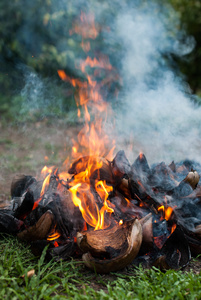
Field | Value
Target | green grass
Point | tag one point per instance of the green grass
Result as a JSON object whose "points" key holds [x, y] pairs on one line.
{"points": [[71, 280]]}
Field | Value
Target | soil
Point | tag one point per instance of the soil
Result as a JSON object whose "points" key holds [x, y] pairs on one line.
{"points": [[194, 266], [26, 149]]}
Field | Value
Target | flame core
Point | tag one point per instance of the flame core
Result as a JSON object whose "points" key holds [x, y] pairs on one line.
{"points": [[86, 201], [166, 212]]}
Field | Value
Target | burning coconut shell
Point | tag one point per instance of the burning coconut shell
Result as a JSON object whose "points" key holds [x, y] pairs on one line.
{"points": [[132, 194], [175, 253], [100, 168], [111, 249], [20, 183], [39, 230]]}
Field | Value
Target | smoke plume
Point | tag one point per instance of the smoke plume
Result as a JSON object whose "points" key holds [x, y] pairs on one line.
{"points": [[157, 110]]}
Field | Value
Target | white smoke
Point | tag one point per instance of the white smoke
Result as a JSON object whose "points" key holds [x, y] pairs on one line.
{"points": [[32, 92], [39, 95], [155, 106], [156, 109]]}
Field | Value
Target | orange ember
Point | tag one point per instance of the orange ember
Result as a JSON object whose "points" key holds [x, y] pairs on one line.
{"points": [[53, 236], [166, 212], [56, 244], [173, 228], [141, 155]]}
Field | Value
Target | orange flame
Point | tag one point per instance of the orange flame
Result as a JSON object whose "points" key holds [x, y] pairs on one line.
{"points": [[45, 184], [167, 212], [174, 226], [46, 174], [90, 214], [86, 28], [63, 176], [87, 203], [161, 208], [92, 141], [46, 171]]}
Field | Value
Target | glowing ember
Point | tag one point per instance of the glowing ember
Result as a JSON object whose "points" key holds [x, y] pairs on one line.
{"points": [[121, 222], [53, 236], [166, 212]]}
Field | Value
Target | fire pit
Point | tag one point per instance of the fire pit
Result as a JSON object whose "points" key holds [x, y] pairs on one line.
{"points": [[103, 208], [120, 214]]}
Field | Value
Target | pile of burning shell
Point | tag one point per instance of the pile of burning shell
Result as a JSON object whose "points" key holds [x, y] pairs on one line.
{"points": [[104, 209], [110, 212]]}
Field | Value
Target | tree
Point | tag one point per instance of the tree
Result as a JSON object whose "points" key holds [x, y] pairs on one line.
{"points": [[190, 21]]}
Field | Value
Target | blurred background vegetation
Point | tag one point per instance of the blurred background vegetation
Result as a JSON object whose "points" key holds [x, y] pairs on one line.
{"points": [[35, 43]]}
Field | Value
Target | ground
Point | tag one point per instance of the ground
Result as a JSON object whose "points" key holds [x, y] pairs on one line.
{"points": [[26, 148]]}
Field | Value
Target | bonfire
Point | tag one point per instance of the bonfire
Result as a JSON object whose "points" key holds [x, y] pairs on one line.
{"points": [[103, 208]]}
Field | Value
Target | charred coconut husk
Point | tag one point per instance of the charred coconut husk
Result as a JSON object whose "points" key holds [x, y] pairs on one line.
{"points": [[113, 249], [111, 215]]}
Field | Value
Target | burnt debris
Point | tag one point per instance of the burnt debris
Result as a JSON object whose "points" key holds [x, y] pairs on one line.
{"points": [[148, 214]]}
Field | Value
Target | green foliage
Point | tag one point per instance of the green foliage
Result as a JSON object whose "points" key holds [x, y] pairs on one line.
{"points": [[190, 21], [36, 40], [48, 102], [35, 37], [71, 280]]}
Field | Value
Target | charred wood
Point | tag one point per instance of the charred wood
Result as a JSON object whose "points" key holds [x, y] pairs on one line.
{"points": [[8, 223], [162, 178], [172, 167], [120, 166], [147, 232], [141, 168], [182, 190], [123, 187], [20, 184], [100, 168], [40, 230], [144, 196], [175, 253], [25, 206], [63, 252]]}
